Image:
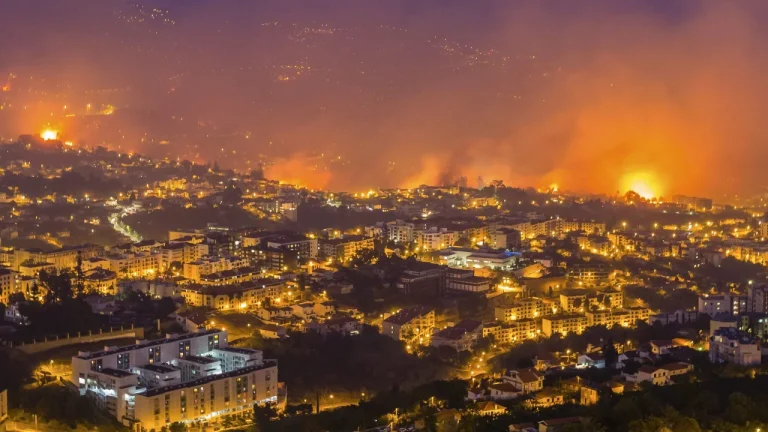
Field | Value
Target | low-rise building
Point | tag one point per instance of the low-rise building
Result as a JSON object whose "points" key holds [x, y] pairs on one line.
{"points": [[525, 380], [100, 281]]}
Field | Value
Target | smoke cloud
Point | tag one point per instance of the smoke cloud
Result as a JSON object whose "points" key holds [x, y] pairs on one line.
{"points": [[595, 96]]}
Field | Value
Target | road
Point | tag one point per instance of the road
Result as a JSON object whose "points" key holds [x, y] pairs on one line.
{"points": [[119, 226]]}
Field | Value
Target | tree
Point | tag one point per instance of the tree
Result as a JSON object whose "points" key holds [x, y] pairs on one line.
{"points": [[740, 408], [16, 298], [262, 414], [587, 425], [611, 354], [177, 427], [58, 285], [79, 275]]}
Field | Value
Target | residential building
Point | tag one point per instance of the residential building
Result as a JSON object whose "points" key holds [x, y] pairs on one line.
{"points": [[503, 391], [247, 295], [421, 276], [184, 378], [7, 284], [409, 324], [400, 231], [461, 337], [525, 380], [181, 252], [722, 304], [544, 399], [531, 307], [652, 374], [589, 273], [623, 317], [99, 281], [728, 345], [435, 238], [212, 264], [563, 324], [465, 280], [573, 300], [345, 249], [230, 277]]}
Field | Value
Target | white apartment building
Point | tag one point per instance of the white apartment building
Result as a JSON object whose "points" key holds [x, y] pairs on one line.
{"points": [[531, 307], [182, 378], [180, 252], [623, 317], [126, 265], [409, 324], [435, 238], [563, 324], [728, 345], [211, 264], [400, 231]]}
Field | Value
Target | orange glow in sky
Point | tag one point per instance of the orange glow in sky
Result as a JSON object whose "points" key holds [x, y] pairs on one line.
{"points": [[644, 183]]}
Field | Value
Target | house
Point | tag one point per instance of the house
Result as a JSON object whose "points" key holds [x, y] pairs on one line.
{"points": [[555, 425], [455, 337], [589, 394], [659, 347], [343, 324], [524, 427], [409, 324], [504, 391], [525, 380], [545, 361], [475, 394], [545, 399], [652, 374], [272, 331], [447, 417], [303, 310], [490, 408], [595, 360], [677, 368], [191, 321], [324, 308]]}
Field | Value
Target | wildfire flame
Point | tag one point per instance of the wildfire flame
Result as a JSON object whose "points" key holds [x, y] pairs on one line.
{"points": [[645, 184], [49, 134]]}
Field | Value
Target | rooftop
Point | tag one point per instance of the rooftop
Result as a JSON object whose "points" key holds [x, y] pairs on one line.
{"points": [[208, 379], [159, 368], [199, 359], [407, 315], [117, 373], [145, 344]]}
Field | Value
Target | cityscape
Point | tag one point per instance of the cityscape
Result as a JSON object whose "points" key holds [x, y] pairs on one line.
{"points": [[341, 216]]}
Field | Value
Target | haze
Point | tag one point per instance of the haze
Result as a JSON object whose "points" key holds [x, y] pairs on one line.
{"points": [[663, 97]]}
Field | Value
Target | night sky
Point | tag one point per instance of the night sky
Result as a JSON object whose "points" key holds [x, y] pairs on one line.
{"points": [[661, 96]]}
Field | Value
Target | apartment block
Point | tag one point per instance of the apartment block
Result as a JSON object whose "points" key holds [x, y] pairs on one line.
{"points": [[563, 324], [181, 378]]}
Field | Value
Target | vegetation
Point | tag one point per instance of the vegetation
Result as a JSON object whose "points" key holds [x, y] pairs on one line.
{"points": [[368, 362]]}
